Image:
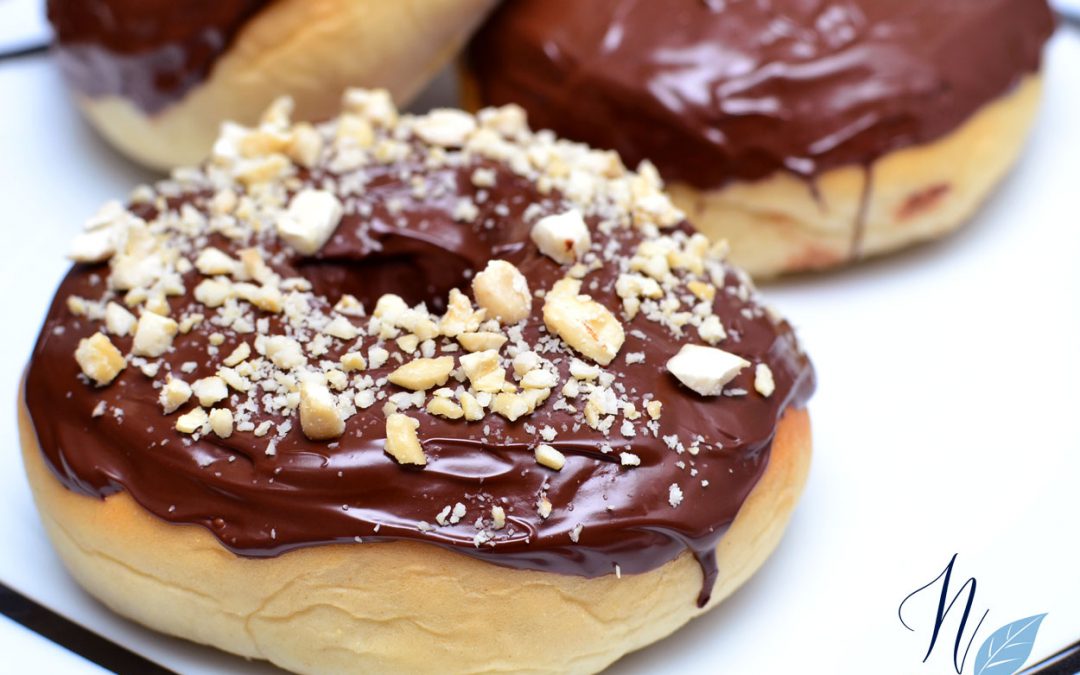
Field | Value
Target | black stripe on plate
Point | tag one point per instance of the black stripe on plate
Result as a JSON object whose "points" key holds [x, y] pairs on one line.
{"points": [[1064, 662], [23, 51], [74, 637]]}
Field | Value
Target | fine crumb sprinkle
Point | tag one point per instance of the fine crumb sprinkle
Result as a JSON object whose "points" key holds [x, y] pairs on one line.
{"points": [[675, 495], [498, 517], [575, 534], [543, 507], [763, 380]]}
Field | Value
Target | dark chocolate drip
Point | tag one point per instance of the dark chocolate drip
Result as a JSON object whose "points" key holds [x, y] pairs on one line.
{"points": [[858, 230], [717, 91], [349, 490], [151, 52]]}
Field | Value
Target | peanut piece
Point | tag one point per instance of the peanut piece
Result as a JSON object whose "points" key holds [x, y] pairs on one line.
{"points": [[99, 359], [584, 324], [484, 371], [319, 415], [174, 394], [310, 220], [502, 290], [402, 443], [564, 237], [153, 335], [550, 457], [422, 374], [705, 369]]}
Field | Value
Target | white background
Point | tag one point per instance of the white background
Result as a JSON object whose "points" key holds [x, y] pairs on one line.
{"points": [[944, 420]]}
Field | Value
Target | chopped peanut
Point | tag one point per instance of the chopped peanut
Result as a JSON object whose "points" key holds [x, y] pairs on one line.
{"points": [[319, 415], [402, 442], [99, 359], [503, 291], [582, 323], [423, 374]]}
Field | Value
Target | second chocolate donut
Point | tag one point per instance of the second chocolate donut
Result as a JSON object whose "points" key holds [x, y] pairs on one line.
{"points": [[806, 133]]}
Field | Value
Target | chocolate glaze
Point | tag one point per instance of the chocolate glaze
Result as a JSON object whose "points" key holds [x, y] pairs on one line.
{"points": [[317, 492], [151, 52], [738, 89]]}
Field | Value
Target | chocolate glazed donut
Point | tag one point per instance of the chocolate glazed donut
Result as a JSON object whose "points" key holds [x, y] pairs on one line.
{"points": [[735, 93], [151, 52], [620, 399], [158, 78]]}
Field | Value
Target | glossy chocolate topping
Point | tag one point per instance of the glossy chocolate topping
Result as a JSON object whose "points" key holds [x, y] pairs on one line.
{"points": [[717, 90], [151, 52], [698, 461]]}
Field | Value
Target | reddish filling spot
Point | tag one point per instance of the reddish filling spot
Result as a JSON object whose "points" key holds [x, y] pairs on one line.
{"points": [[921, 201], [812, 257]]}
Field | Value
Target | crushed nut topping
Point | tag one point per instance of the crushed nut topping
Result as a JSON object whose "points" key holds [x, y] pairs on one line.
{"points": [[705, 369], [311, 218], [564, 237], [402, 443], [763, 380], [99, 359], [503, 291], [222, 271], [550, 457], [423, 374], [582, 323], [319, 415]]}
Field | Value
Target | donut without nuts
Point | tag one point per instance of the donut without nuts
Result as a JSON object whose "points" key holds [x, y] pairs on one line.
{"points": [[157, 78], [293, 350], [806, 134]]}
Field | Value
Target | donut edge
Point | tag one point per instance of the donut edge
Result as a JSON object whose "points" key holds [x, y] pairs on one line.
{"points": [[311, 50], [395, 606], [784, 224], [917, 193]]}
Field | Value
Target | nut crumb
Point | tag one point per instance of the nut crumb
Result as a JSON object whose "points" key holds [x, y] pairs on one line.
{"points": [[675, 495], [705, 369], [402, 443], [550, 457], [99, 359], [582, 323], [319, 415], [503, 291], [423, 374], [763, 380], [191, 421], [564, 237]]}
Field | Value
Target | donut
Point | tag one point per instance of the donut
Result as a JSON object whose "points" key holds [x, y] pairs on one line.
{"points": [[808, 134], [399, 393], [158, 77]]}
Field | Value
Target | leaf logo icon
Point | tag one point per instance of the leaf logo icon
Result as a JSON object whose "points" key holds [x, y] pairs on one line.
{"points": [[1004, 652]]}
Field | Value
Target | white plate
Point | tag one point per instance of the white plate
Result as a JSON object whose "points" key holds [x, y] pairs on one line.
{"points": [[949, 379]]}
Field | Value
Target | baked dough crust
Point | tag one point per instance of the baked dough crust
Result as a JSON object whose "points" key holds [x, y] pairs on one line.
{"points": [[396, 606], [777, 225], [311, 50]]}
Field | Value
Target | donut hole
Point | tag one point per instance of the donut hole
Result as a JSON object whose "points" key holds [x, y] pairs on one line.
{"points": [[421, 263], [417, 278]]}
